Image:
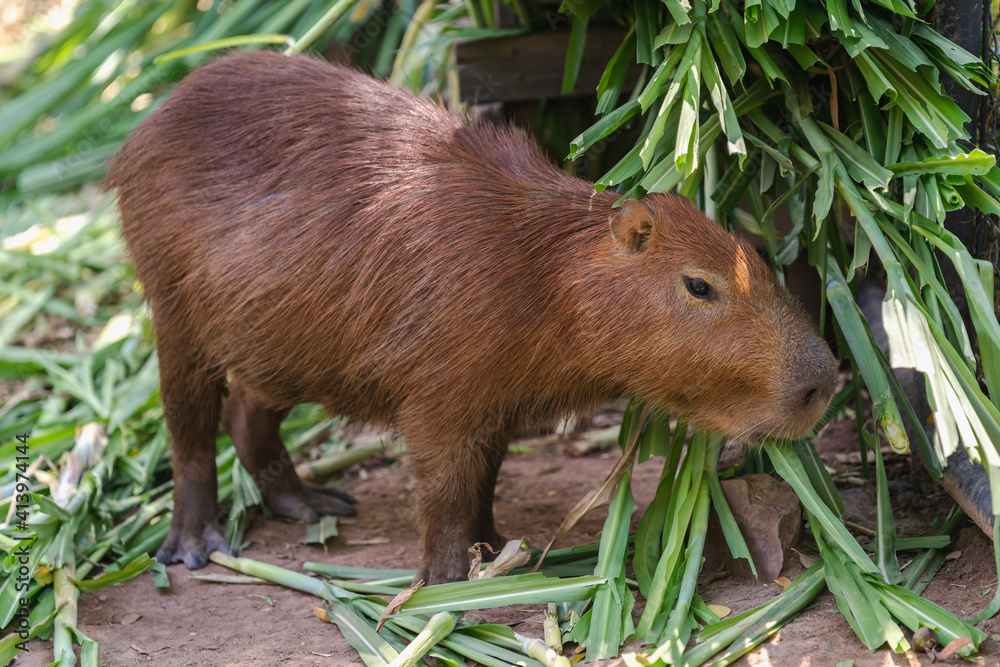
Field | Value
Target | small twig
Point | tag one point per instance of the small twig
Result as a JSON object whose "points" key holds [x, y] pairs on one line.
{"points": [[859, 528]]}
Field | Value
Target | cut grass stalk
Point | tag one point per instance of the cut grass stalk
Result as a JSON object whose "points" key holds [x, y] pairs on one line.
{"points": [[281, 576], [737, 636], [438, 627], [540, 651], [487, 648], [678, 630], [609, 620], [550, 627], [73, 498], [683, 496], [399, 639], [350, 572], [821, 481], [324, 467], [359, 633]]}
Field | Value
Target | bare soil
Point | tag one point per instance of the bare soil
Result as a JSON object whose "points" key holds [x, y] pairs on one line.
{"points": [[199, 623]]}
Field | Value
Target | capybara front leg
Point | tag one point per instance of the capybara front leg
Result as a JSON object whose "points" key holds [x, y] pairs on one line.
{"points": [[455, 482], [254, 428]]}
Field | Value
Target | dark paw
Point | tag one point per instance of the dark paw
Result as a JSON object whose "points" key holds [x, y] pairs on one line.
{"points": [[310, 503], [443, 572], [192, 549]]}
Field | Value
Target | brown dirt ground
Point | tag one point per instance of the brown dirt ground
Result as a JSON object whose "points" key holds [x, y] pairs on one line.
{"points": [[198, 623]]}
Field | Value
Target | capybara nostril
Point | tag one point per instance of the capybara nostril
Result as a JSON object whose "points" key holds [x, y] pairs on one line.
{"points": [[810, 395]]}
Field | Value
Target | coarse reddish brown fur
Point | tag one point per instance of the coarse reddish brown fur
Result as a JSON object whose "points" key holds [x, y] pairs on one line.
{"points": [[321, 236]]}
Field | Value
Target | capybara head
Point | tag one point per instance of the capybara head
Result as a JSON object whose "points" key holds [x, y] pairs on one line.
{"points": [[708, 331]]}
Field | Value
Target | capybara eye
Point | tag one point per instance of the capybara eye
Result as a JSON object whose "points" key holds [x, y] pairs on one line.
{"points": [[698, 287]]}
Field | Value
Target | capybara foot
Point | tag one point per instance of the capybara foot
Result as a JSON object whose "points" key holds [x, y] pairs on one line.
{"points": [[443, 563], [311, 502], [443, 571], [192, 549]]}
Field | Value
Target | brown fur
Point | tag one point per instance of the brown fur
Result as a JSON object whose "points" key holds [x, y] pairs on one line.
{"points": [[321, 236]]}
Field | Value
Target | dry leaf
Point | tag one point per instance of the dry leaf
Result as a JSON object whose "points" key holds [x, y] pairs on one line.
{"points": [[719, 610], [514, 554], [396, 603], [806, 560], [477, 558]]}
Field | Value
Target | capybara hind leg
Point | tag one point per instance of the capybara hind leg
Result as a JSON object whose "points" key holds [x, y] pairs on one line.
{"points": [[455, 483], [254, 429], [191, 403]]}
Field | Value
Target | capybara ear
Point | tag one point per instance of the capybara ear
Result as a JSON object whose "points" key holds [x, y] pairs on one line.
{"points": [[632, 226]]}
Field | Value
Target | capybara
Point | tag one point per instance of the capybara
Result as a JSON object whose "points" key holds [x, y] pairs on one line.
{"points": [[307, 233]]}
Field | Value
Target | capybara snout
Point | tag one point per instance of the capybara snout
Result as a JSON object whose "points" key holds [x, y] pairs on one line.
{"points": [[305, 233]]}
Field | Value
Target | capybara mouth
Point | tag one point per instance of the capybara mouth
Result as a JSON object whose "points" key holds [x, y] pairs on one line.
{"points": [[781, 432]]}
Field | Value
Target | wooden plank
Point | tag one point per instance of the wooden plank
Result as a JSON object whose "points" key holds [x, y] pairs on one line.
{"points": [[531, 66]]}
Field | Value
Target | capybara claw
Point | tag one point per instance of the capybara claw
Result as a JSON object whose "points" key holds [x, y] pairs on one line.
{"points": [[442, 572], [192, 550], [195, 558], [311, 503]]}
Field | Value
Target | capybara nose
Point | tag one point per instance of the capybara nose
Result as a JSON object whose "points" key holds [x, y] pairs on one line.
{"points": [[815, 379]]}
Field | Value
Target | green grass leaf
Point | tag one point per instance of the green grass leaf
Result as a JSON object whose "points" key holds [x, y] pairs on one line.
{"points": [[574, 54], [975, 162], [485, 593]]}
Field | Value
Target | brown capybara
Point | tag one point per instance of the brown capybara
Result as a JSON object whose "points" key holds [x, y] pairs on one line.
{"points": [[316, 235]]}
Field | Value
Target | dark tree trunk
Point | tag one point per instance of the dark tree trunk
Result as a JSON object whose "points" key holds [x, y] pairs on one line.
{"points": [[961, 21]]}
